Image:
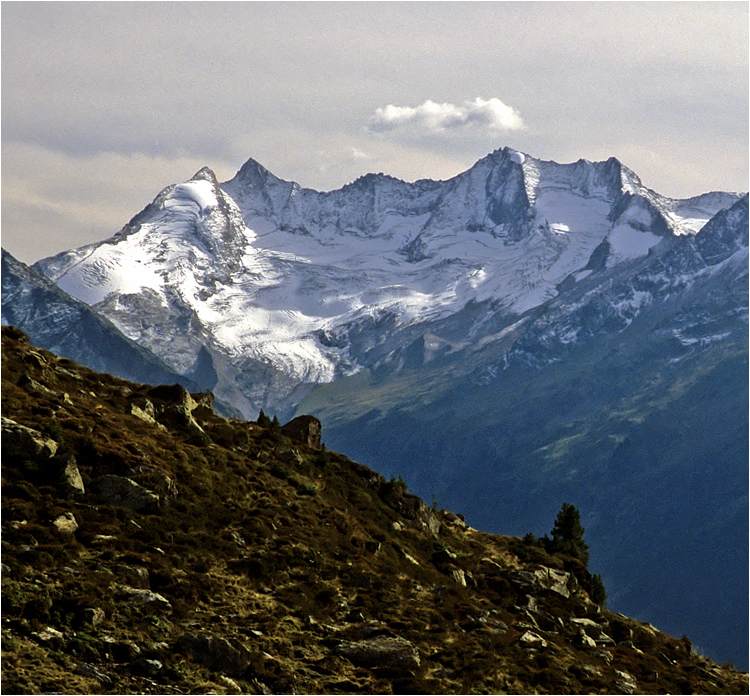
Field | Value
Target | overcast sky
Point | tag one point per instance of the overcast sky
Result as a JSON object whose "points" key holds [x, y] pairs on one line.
{"points": [[104, 104]]}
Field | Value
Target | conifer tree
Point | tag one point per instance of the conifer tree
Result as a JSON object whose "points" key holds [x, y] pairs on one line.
{"points": [[567, 534], [598, 593]]}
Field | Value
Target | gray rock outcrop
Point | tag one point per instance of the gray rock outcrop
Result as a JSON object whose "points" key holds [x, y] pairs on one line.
{"points": [[542, 579], [120, 490], [152, 600], [382, 652], [20, 441], [305, 429], [66, 523], [69, 477]]}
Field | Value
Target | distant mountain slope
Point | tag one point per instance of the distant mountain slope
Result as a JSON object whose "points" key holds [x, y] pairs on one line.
{"points": [[60, 323], [629, 396], [150, 546]]}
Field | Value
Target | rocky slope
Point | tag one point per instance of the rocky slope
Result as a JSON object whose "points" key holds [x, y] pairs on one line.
{"points": [[150, 546]]}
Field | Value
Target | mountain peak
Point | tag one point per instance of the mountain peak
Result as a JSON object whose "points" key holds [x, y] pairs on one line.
{"points": [[254, 175], [371, 179], [205, 174]]}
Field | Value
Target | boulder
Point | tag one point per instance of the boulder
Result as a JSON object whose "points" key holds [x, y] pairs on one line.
{"points": [[120, 490], [625, 683], [532, 640], [392, 653], [173, 394], [152, 600], [489, 568], [545, 620], [586, 640], [629, 645], [594, 631], [148, 668], [20, 441], [230, 686], [204, 408], [49, 636], [175, 407], [66, 523], [144, 410], [592, 628], [459, 576], [304, 429], [180, 417], [158, 480], [69, 477]]}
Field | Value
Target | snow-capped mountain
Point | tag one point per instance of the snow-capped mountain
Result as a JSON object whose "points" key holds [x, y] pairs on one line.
{"points": [[285, 288], [522, 334], [70, 328]]}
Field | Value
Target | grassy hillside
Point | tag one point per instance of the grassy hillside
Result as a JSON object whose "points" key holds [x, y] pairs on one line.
{"points": [[150, 546]]}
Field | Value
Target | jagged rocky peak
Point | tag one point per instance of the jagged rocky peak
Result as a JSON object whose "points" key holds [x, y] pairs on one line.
{"points": [[258, 192], [371, 180], [191, 225], [725, 234], [197, 212], [253, 174]]}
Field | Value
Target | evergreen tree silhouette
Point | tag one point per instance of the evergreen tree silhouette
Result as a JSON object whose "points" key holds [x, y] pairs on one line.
{"points": [[567, 534]]}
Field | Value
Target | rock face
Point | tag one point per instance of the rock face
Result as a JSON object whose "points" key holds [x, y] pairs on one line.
{"points": [[543, 579], [70, 478], [120, 490], [219, 654], [305, 429]]}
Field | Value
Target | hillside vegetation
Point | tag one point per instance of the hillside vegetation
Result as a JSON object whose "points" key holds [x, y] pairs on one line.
{"points": [[150, 546]]}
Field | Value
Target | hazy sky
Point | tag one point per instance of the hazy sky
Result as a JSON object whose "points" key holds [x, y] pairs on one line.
{"points": [[104, 104]]}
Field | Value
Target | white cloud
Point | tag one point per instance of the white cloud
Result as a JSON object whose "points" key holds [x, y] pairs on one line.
{"points": [[482, 116], [358, 155]]}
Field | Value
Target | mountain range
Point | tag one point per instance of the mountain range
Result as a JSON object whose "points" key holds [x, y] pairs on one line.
{"points": [[524, 333]]}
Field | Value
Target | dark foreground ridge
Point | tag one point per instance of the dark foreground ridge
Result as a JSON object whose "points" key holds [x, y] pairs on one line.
{"points": [[150, 546]]}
